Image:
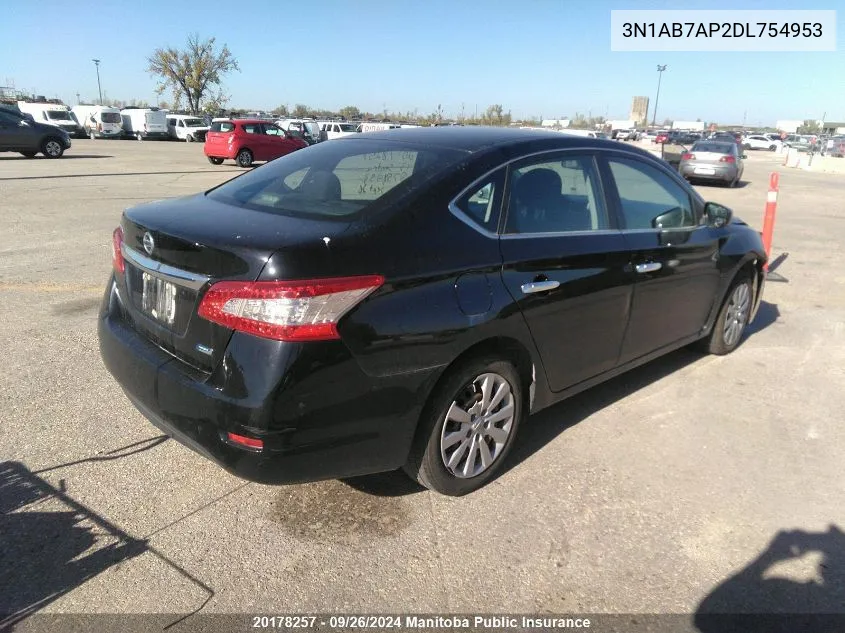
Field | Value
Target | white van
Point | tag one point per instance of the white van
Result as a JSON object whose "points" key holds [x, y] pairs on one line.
{"points": [[337, 129], [99, 121], [52, 114], [588, 133], [377, 127], [186, 127], [144, 123]]}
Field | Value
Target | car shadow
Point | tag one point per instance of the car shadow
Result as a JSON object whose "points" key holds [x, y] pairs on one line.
{"points": [[64, 156], [139, 173], [796, 584], [547, 424]]}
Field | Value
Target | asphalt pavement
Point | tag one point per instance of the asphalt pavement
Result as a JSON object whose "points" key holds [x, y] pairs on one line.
{"points": [[648, 494]]}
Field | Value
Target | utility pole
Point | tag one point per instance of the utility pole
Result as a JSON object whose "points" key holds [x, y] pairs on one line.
{"points": [[77, 98], [660, 70], [99, 88]]}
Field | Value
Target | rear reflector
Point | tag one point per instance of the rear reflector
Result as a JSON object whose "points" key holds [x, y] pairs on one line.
{"points": [[116, 252], [727, 159], [286, 310], [249, 442]]}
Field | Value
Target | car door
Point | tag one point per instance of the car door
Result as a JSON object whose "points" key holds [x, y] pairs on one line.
{"points": [[673, 254], [17, 134], [255, 140], [565, 264], [276, 140]]}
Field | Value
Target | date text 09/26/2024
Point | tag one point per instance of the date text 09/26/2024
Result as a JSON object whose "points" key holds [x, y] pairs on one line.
{"points": [[288, 622]]}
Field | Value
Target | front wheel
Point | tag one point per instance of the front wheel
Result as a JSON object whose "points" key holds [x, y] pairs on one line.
{"points": [[189, 138], [467, 427], [244, 158], [139, 136], [215, 161], [52, 148], [772, 148], [92, 136], [733, 317]]}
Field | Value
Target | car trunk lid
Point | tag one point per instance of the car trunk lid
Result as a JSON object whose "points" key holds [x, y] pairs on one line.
{"points": [[174, 250]]}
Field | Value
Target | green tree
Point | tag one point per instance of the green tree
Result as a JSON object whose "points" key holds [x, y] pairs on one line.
{"points": [[810, 127], [300, 110], [192, 73], [281, 111], [350, 112]]}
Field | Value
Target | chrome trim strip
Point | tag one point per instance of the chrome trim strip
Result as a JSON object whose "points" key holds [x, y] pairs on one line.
{"points": [[175, 275]]}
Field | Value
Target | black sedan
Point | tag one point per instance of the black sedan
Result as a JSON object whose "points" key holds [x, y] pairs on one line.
{"points": [[405, 299]]}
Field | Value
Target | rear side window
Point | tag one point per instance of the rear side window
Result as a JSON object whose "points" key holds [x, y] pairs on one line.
{"points": [[339, 179], [481, 204], [222, 126], [251, 128]]}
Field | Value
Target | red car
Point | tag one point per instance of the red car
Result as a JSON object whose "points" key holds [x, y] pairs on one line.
{"points": [[248, 140], [662, 137]]}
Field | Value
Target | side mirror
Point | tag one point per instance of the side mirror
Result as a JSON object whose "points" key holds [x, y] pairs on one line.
{"points": [[717, 215]]}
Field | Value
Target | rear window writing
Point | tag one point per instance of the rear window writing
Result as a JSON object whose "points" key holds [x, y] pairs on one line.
{"points": [[337, 179]]}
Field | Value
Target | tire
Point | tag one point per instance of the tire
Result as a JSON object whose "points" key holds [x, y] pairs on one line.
{"points": [[189, 138], [733, 309], [772, 148], [29, 154], [92, 136], [449, 402], [52, 148], [215, 161], [244, 158], [139, 136]]}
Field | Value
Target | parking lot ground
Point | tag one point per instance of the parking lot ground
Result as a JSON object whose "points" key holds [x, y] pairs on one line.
{"points": [[644, 495]]}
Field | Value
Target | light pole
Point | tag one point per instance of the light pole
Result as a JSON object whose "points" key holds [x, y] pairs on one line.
{"points": [[660, 70], [99, 88]]}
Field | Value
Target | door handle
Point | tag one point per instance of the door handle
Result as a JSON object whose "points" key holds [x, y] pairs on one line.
{"points": [[539, 286], [648, 267]]}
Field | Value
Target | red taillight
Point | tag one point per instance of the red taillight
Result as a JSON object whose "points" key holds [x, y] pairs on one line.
{"points": [[116, 252], [286, 310], [687, 156], [249, 442], [727, 159]]}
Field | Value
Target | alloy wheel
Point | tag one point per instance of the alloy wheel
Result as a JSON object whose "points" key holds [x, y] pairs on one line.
{"points": [[477, 426], [736, 315], [53, 149]]}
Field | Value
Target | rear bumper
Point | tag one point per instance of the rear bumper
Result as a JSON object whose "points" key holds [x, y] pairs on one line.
{"points": [[332, 422], [725, 173]]}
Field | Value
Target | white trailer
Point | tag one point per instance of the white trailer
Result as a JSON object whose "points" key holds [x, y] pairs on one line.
{"points": [[144, 123], [378, 127], [99, 121], [689, 126]]}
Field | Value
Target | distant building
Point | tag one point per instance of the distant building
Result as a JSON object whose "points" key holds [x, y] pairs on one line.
{"points": [[621, 125], [556, 123], [789, 126], [693, 126], [639, 109]]}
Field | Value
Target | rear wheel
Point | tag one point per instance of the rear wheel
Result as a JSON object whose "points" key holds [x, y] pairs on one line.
{"points": [[244, 158], [92, 136], [189, 138], [29, 154], [215, 161], [467, 427], [733, 317], [139, 136], [772, 148], [52, 148]]}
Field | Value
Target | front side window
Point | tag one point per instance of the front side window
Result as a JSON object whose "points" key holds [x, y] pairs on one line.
{"points": [[649, 198], [338, 180], [554, 196], [272, 130], [58, 115]]}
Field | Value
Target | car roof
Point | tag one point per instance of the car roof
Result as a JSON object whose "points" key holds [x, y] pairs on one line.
{"points": [[476, 138]]}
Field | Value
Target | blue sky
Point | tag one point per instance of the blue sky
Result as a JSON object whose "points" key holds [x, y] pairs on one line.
{"points": [[535, 57]]}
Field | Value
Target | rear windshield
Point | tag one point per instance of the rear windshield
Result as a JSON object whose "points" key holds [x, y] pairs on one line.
{"points": [[110, 117], [716, 148], [222, 126], [341, 179], [58, 115]]}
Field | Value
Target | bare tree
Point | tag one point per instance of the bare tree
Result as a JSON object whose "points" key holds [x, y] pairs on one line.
{"points": [[193, 73]]}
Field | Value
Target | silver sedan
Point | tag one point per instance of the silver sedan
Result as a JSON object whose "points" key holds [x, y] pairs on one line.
{"points": [[714, 161]]}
